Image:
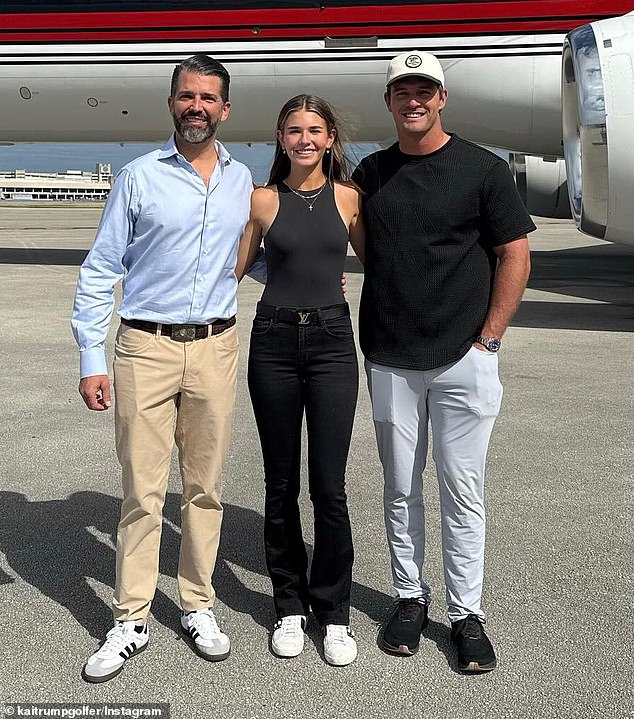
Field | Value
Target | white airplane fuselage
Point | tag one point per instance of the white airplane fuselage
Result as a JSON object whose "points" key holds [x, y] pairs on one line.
{"points": [[95, 71], [112, 98]]}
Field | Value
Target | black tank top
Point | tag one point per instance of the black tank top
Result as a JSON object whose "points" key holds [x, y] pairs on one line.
{"points": [[305, 251]]}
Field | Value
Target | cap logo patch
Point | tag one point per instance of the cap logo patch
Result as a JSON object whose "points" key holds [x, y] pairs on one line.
{"points": [[413, 61]]}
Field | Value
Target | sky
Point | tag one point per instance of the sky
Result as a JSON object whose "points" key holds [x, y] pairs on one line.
{"points": [[58, 157]]}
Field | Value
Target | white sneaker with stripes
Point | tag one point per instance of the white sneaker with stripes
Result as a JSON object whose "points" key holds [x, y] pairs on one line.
{"points": [[123, 641], [202, 629]]}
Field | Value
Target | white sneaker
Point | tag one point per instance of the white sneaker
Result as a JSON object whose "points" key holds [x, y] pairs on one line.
{"points": [[209, 642], [288, 636], [123, 641], [340, 647]]}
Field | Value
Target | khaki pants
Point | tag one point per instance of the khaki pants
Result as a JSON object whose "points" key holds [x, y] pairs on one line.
{"points": [[166, 391]]}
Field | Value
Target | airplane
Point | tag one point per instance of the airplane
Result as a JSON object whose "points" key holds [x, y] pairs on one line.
{"points": [[544, 79]]}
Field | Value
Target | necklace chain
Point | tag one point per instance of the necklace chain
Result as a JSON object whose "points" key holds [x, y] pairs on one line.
{"points": [[307, 198]]}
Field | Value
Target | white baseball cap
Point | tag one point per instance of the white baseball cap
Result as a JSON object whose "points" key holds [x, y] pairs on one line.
{"points": [[415, 64]]}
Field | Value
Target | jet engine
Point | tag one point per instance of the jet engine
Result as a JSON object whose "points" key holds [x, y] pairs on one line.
{"points": [[598, 126], [542, 184]]}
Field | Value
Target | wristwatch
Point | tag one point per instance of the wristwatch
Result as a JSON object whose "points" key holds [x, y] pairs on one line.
{"points": [[493, 344]]}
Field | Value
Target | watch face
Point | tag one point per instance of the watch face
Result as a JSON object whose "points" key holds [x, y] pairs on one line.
{"points": [[493, 344]]}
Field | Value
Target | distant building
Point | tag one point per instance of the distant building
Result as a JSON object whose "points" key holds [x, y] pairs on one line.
{"points": [[64, 186]]}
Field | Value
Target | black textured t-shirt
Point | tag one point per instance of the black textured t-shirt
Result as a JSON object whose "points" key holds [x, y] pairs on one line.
{"points": [[432, 222]]}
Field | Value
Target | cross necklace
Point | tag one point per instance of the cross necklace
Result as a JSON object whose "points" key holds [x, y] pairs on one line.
{"points": [[307, 198]]}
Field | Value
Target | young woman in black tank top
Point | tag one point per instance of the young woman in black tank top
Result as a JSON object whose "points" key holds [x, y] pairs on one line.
{"points": [[302, 360]]}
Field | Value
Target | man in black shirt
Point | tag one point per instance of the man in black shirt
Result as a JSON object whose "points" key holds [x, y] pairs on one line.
{"points": [[446, 265]]}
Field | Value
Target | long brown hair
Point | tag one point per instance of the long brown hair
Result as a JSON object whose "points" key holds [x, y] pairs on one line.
{"points": [[335, 164]]}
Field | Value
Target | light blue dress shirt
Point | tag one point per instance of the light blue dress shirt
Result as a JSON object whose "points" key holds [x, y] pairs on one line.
{"points": [[172, 240]]}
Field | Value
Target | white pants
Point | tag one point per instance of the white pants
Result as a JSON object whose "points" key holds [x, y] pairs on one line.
{"points": [[462, 401]]}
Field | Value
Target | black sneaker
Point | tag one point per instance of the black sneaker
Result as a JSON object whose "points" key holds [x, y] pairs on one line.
{"points": [[401, 631], [475, 651]]}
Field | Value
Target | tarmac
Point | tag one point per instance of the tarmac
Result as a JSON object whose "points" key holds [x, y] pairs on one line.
{"points": [[559, 586]]}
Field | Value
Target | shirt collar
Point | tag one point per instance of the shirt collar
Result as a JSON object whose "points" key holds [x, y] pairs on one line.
{"points": [[170, 149]]}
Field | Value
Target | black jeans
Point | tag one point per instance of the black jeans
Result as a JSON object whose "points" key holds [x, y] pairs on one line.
{"points": [[295, 369]]}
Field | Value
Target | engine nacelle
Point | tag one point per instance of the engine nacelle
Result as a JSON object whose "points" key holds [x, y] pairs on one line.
{"points": [[598, 127], [542, 184]]}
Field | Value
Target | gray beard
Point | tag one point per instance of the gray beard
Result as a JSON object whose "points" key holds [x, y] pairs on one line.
{"points": [[195, 135]]}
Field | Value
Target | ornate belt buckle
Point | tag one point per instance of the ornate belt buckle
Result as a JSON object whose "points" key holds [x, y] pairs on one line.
{"points": [[304, 318], [183, 333]]}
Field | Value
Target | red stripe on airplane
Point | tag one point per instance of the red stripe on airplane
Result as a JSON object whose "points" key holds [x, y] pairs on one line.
{"points": [[143, 36], [536, 9], [521, 16]]}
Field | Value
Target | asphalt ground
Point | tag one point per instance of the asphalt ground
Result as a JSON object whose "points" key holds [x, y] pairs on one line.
{"points": [[559, 586]]}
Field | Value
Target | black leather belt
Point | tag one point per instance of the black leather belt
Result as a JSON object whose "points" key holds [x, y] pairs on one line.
{"points": [[300, 316], [182, 333]]}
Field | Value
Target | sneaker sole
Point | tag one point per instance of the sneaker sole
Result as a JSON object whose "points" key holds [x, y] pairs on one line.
{"points": [[208, 657], [476, 668], [107, 677], [340, 663], [402, 649], [281, 655]]}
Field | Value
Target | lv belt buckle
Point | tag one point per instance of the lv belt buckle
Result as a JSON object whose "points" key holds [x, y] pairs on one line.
{"points": [[183, 333], [304, 318]]}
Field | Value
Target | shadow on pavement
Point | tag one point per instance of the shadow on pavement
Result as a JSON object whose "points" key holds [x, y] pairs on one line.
{"points": [[602, 274], [575, 316], [5, 578], [35, 256], [74, 258], [440, 634], [352, 265], [57, 546]]}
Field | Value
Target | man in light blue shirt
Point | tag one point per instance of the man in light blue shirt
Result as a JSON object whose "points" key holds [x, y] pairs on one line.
{"points": [[170, 232]]}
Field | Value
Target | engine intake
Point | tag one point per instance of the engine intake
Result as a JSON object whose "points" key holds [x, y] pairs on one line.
{"points": [[541, 183], [598, 117]]}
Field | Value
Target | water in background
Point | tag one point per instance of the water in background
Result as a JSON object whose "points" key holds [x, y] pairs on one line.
{"points": [[58, 157]]}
